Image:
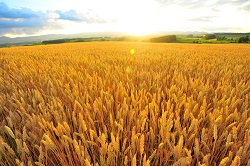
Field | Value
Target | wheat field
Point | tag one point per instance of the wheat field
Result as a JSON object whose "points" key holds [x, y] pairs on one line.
{"points": [[122, 103]]}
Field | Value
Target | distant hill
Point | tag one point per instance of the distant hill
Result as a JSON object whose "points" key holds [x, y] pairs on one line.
{"points": [[232, 34], [39, 39], [123, 37], [165, 37], [73, 40]]}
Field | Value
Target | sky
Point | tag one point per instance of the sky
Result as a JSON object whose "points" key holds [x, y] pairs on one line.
{"points": [[135, 17]]}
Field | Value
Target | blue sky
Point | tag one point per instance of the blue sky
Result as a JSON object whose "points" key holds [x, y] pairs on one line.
{"points": [[136, 17]]}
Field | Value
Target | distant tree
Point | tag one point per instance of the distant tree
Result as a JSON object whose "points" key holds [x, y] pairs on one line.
{"points": [[209, 36], [164, 39], [190, 36], [57, 41], [243, 39], [221, 38], [246, 39]]}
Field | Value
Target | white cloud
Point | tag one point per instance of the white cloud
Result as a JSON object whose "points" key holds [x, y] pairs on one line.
{"points": [[134, 16]]}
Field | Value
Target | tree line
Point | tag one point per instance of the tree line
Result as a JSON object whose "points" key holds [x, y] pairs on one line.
{"points": [[164, 39], [242, 39]]}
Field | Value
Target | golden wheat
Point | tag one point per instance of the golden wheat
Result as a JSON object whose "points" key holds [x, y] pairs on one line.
{"points": [[119, 103]]}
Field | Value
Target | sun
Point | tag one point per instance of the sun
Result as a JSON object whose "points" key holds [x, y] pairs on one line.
{"points": [[137, 20], [137, 26]]}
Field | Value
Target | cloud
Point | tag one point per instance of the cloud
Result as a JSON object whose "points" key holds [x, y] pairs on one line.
{"points": [[28, 25], [7, 12], [70, 15], [202, 19], [27, 21], [183, 3], [196, 4], [247, 7], [92, 15], [232, 2], [10, 23], [24, 20], [88, 17]]}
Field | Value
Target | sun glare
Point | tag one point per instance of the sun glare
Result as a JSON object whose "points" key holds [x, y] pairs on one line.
{"points": [[132, 51], [136, 19], [139, 29]]}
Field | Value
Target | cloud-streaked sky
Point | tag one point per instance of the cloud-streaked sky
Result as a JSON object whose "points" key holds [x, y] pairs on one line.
{"points": [[136, 17]]}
